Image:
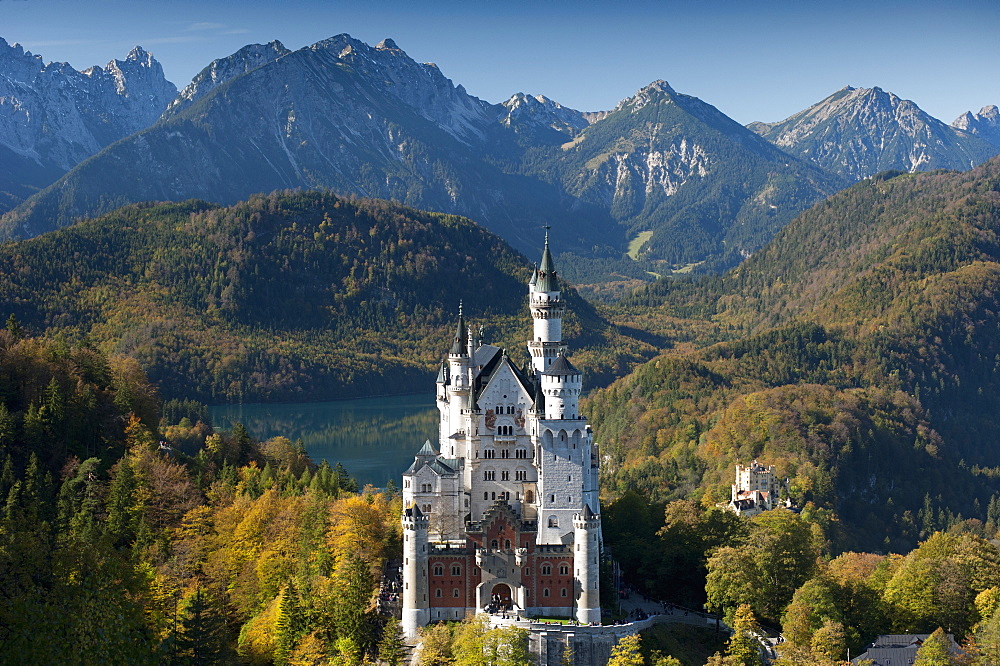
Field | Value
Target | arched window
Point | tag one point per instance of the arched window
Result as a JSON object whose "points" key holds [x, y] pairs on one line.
{"points": [[505, 475], [545, 591], [520, 475], [546, 569], [455, 593], [437, 593], [495, 545], [506, 544], [456, 570], [563, 569], [564, 592], [553, 521], [438, 569], [486, 496], [529, 497]]}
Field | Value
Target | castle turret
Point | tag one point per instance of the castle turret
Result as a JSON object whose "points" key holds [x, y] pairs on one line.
{"points": [[562, 385], [586, 556], [547, 310], [416, 609]]}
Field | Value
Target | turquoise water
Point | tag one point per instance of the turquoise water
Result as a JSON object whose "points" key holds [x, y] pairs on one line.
{"points": [[374, 438]]}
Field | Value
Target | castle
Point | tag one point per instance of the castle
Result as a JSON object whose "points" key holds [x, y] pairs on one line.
{"points": [[503, 511], [756, 489]]}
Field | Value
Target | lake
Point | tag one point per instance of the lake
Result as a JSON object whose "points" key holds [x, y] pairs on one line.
{"points": [[374, 438]]}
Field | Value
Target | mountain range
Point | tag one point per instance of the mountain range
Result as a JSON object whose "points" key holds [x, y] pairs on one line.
{"points": [[858, 132], [52, 117], [664, 174]]}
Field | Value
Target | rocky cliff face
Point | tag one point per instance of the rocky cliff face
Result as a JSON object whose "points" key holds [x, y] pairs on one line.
{"points": [[52, 116], [985, 124], [524, 112], [223, 70], [857, 132], [706, 187]]}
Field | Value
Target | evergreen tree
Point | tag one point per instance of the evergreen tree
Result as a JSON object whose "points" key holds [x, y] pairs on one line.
{"points": [[289, 625], [354, 586], [202, 637], [390, 648]]}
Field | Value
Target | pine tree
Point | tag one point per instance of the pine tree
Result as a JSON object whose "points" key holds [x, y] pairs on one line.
{"points": [[354, 587], [202, 638], [289, 625], [390, 648]]}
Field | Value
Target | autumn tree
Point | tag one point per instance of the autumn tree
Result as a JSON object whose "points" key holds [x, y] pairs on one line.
{"points": [[935, 651], [627, 652]]}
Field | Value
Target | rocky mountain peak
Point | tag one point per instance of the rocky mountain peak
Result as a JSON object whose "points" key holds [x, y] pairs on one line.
{"points": [[656, 91], [421, 86], [985, 124], [59, 116], [539, 111], [857, 132], [223, 70]]}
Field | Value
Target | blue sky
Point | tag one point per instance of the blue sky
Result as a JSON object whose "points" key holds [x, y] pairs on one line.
{"points": [[761, 60]]}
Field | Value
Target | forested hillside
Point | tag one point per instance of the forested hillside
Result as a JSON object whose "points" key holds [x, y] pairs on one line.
{"points": [[118, 547], [858, 354], [294, 296]]}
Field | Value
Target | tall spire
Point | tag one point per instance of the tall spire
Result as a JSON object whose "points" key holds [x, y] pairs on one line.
{"points": [[547, 280], [459, 346]]}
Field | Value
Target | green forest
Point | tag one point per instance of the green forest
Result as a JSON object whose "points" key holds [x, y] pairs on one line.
{"points": [[286, 297]]}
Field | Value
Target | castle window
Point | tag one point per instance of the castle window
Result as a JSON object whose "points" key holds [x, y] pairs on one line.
{"points": [[563, 569], [427, 508], [553, 521], [505, 453], [495, 545], [456, 570], [506, 544], [489, 453], [438, 570], [505, 475], [406, 483], [437, 593], [520, 453], [564, 591], [455, 593], [486, 496], [489, 475], [529, 497], [520, 475], [546, 569], [552, 499], [545, 591], [526, 571], [493, 496]]}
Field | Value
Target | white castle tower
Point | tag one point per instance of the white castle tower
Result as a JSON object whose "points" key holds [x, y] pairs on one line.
{"points": [[507, 514]]}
